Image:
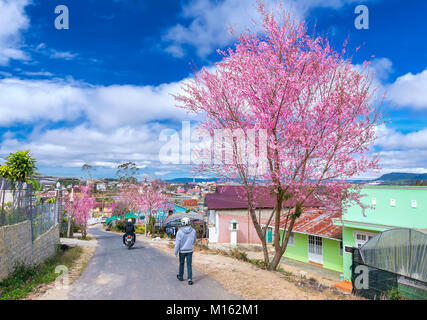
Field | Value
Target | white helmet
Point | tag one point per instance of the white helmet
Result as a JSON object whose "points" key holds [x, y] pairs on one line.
{"points": [[185, 221], [129, 220]]}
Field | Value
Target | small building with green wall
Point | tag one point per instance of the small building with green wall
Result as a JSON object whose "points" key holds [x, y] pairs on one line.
{"points": [[392, 207], [315, 239], [331, 257]]}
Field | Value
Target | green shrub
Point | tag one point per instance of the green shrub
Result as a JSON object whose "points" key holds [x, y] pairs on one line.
{"points": [[238, 254], [260, 263], [393, 294], [24, 279], [140, 229], [119, 227], [75, 227]]}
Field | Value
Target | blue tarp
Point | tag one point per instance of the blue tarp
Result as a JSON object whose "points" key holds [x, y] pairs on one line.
{"points": [[160, 214]]}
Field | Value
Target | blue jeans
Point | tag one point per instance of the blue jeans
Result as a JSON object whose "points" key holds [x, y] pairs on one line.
{"points": [[182, 257]]}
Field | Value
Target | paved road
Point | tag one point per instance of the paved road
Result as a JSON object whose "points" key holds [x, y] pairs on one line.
{"points": [[114, 272]]}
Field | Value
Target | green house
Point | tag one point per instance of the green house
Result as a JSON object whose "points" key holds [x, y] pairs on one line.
{"points": [[316, 240], [393, 207]]}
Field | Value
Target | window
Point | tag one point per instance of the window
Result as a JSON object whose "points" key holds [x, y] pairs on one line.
{"points": [[341, 248], [360, 238]]}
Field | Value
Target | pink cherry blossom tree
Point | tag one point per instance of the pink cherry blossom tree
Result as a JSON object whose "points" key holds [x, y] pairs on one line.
{"points": [[311, 111], [154, 199], [147, 197], [83, 202]]}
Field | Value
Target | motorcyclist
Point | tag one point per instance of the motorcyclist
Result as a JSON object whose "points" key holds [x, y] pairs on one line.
{"points": [[129, 229]]}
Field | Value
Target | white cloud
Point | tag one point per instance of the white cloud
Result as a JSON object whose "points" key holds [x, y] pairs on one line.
{"points": [[29, 101], [392, 139], [38, 73], [72, 147], [409, 90], [114, 123], [401, 152], [382, 67], [209, 22], [13, 21], [55, 54], [161, 173], [108, 107], [126, 104]]}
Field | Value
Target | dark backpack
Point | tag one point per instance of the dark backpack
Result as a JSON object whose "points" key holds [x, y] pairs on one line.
{"points": [[129, 228]]}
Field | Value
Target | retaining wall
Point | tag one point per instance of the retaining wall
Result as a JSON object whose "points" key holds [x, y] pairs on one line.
{"points": [[17, 247]]}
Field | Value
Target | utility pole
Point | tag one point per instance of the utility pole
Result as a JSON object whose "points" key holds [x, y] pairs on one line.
{"points": [[69, 213], [58, 202]]}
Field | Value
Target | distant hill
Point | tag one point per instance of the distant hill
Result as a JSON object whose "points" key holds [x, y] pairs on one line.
{"points": [[402, 179], [402, 176]]}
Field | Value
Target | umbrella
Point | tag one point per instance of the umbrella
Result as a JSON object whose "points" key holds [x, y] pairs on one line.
{"points": [[176, 217]]}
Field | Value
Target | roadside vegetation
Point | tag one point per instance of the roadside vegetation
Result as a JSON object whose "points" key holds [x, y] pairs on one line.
{"points": [[302, 282], [25, 279]]}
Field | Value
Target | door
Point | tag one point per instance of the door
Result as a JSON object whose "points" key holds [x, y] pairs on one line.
{"points": [[315, 249], [269, 235]]}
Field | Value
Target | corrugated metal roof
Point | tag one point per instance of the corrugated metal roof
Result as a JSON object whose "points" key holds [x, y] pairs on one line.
{"points": [[190, 203], [317, 222], [234, 197]]}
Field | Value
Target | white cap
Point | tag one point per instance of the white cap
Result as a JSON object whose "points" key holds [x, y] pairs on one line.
{"points": [[129, 220]]}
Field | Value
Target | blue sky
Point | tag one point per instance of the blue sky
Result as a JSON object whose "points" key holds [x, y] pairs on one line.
{"points": [[99, 93]]}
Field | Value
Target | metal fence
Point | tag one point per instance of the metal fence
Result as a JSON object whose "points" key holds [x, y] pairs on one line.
{"points": [[18, 205], [44, 217], [377, 284], [15, 201]]}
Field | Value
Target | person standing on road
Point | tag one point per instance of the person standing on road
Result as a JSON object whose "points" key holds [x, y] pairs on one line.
{"points": [[184, 244]]}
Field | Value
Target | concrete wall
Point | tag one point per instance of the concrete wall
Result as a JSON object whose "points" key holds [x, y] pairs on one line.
{"points": [[246, 233], [16, 246], [331, 255], [400, 215], [299, 250], [331, 251]]}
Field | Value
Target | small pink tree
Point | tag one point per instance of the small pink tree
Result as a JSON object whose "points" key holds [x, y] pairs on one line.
{"points": [[81, 206], [314, 115], [147, 198], [152, 200]]}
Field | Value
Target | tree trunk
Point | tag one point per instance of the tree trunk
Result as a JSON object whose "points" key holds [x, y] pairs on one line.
{"points": [[261, 235], [278, 249]]}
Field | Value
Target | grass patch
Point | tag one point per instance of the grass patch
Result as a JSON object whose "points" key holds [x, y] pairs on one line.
{"points": [[24, 279], [86, 238], [286, 273]]}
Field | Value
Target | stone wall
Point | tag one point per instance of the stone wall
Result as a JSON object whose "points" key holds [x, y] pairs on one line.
{"points": [[17, 247]]}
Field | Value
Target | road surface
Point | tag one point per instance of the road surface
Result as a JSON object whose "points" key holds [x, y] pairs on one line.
{"points": [[114, 272]]}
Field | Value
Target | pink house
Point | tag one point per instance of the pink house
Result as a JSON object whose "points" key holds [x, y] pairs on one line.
{"points": [[227, 205]]}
